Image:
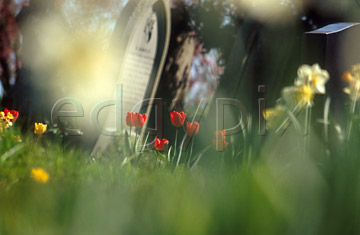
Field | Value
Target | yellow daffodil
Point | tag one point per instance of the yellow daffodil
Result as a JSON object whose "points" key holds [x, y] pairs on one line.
{"points": [[306, 95], [312, 76], [353, 80], [311, 80], [302, 95], [271, 112], [40, 175], [273, 116], [40, 128]]}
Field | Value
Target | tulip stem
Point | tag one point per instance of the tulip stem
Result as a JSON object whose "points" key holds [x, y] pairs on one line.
{"points": [[38, 139], [157, 158], [136, 137], [191, 151], [222, 160], [176, 138], [180, 151]]}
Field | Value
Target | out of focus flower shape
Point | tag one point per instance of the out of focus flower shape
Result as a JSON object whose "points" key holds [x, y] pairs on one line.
{"points": [[159, 143], [5, 120], [40, 128], [135, 119], [14, 113], [352, 78], [219, 142], [177, 118], [314, 77], [192, 128], [40, 175]]}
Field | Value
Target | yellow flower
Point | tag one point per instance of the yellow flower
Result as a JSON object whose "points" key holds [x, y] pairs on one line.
{"points": [[271, 112], [355, 70], [314, 77], [17, 138], [306, 95], [273, 116], [40, 128], [40, 175], [9, 116], [348, 77], [302, 95], [353, 80], [5, 121]]}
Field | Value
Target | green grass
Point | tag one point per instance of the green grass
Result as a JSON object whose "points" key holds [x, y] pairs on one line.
{"points": [[276, 190]]}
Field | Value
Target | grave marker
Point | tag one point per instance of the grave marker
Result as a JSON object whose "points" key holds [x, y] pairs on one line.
{"points": [[144, 28]]}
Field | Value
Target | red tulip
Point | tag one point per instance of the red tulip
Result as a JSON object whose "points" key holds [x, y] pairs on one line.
{"points": [[135, 119], [219, 142], [159, 143], [129, 119], [192, 128], [14, 113], [177, 118], [220, 135], [219, 145], [139, 119]]}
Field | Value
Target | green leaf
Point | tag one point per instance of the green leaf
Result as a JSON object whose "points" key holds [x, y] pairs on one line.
{"points": [[169, 153], [199, 156], [162, 156], [127, 142], [12, 152], [145, 142]]}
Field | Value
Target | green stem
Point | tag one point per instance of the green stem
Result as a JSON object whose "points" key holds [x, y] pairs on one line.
{"points": [[157, 158], [136, 137], [143, 147], [353, 108], [191, 151], [199, 156], [326, 120], [180, 152], [307, 130], [38, 139], [176, 138], [222, 160]]}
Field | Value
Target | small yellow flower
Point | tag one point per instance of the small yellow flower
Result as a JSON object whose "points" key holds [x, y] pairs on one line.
{"points": [[9, 116], [18, 138], [40, 128], [353, 80], [5, 121], [273, 116], [271, 112], [40, 175], [348, 77]]}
